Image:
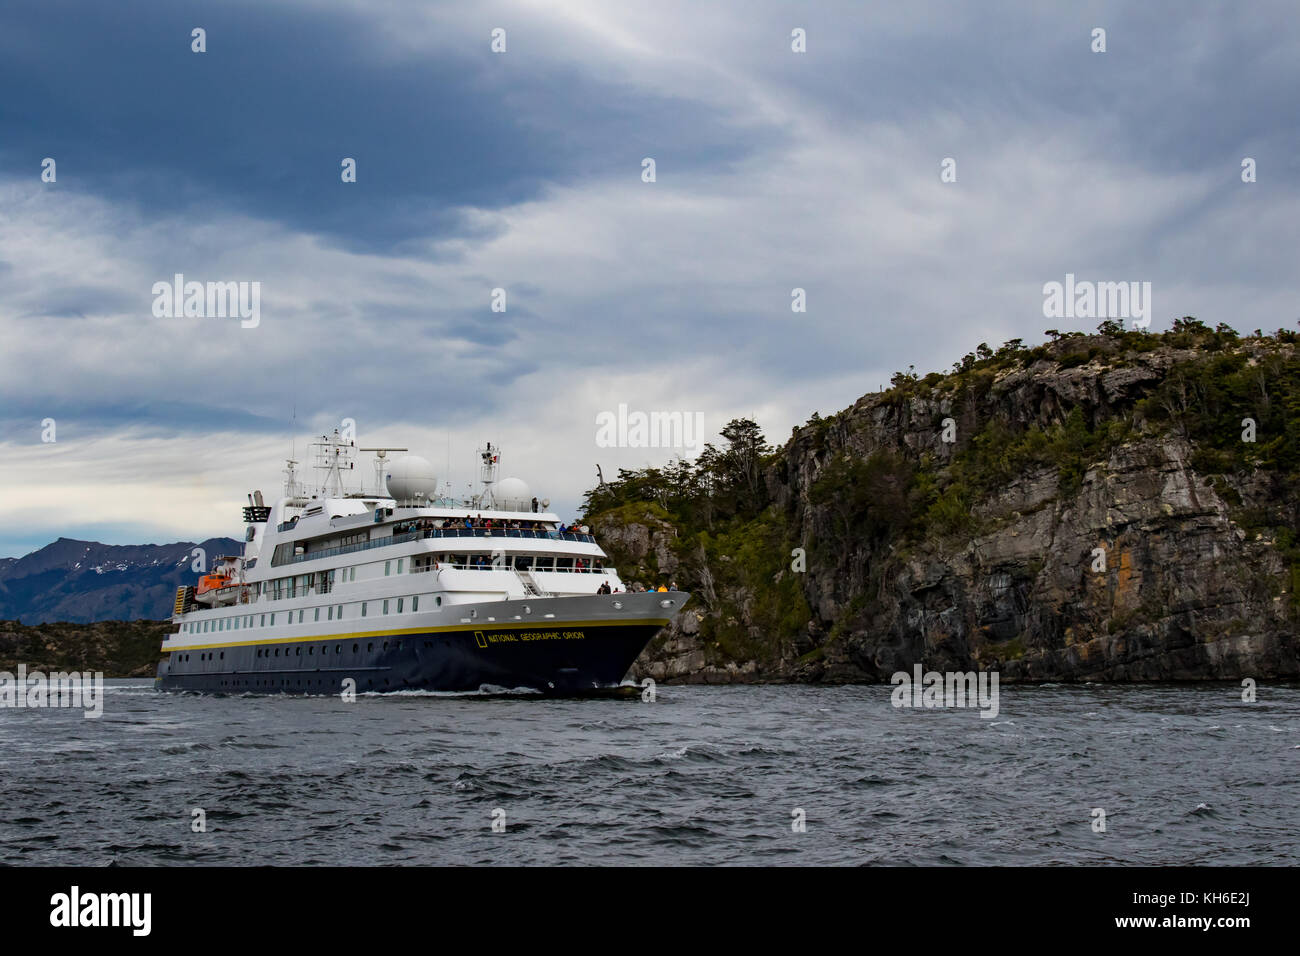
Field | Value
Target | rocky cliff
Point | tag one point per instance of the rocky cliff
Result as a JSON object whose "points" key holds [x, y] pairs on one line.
{"points": [[1114, 507]]}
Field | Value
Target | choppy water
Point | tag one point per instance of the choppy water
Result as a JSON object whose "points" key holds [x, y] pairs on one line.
{"points": [[703, 775]]}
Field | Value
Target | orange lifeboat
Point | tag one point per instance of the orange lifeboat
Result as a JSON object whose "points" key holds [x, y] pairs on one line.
{"points": [[213, 582]]}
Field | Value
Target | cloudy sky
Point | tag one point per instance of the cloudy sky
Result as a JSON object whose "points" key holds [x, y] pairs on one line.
{"points": [[522, 170]]}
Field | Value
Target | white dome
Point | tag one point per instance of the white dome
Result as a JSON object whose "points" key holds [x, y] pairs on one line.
{"points": [[410, 479], [512, 494]]}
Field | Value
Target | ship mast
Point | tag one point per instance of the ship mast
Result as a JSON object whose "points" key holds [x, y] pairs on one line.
{"points": [[334, 455], [380, 453], [489, 459]]}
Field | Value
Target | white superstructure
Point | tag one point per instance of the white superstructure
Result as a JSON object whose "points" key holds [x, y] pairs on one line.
{"points": [[327, 562]]}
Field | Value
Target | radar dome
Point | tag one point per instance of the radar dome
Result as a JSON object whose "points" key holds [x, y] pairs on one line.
{"points": [[411, 478], [512, 494]]}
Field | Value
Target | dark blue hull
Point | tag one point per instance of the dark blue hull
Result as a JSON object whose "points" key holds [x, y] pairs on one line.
{"points": [[572, 658]]}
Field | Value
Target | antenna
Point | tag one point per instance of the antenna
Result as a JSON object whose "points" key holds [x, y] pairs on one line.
{"points": [[380, 453], [291, 487], [489, 458], [333, 456]]}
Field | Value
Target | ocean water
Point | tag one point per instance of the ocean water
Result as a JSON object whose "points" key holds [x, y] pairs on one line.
{"points": [[704, 775]]}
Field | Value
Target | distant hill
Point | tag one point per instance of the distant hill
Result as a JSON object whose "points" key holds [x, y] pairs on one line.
{"points": [[83, 581], [117, 648]]}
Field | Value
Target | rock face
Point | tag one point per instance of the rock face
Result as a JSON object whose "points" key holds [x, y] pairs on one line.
{"points": [[1137, 568]]}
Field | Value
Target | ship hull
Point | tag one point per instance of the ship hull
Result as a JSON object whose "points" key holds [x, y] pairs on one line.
{"points": [[570, 656]]}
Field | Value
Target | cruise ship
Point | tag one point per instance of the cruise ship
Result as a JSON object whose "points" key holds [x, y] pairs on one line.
{"points": [[352, 591]]}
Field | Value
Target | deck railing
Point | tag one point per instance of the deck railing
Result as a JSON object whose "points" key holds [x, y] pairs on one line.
{"points": [[438, 533]]}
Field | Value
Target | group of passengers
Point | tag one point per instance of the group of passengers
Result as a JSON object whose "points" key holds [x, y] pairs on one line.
{"points": [[468, 523], [635, 588], [480, 523]]}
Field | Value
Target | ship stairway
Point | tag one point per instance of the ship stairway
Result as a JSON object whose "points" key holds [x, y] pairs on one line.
{"points": [[531, 587]]}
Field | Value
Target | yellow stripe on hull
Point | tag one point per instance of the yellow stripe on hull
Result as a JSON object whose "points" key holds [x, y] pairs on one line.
{"points": [[472, 626]]}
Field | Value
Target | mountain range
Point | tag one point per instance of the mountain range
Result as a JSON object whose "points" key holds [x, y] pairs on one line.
{"points": [[83, 581]]}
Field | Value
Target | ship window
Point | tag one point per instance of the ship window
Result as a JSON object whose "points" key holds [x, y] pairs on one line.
{"points": [[399, 565], [317, 618], [273, 619], [297, 652], [387, 565], [277, 652], [330, 616], [340, 612], [223, 655], [399, 605], [385, 607], [300, 613], [370, 647], [311, 651], [355, 648], [438, 601], [415, 603], [385, 645], [353, 575], [363, 608], [263, 624]]}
